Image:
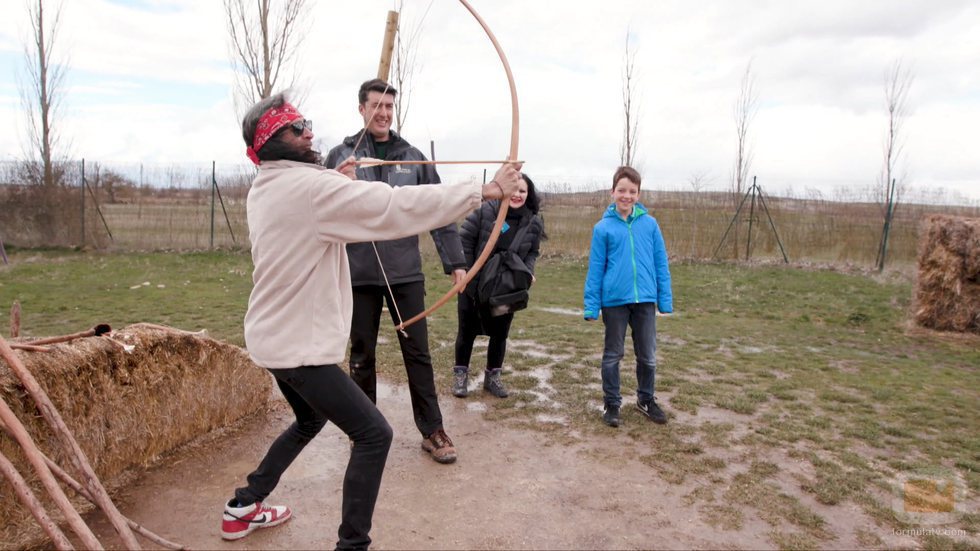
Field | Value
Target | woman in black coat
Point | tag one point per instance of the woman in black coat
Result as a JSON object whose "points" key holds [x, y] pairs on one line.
{"points": [[476, 319]]}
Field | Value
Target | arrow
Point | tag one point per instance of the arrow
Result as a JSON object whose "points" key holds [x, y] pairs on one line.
{"points": [[369, 162]]}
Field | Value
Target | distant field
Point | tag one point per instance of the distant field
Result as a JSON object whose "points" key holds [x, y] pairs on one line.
{"points": [[810, 231]]}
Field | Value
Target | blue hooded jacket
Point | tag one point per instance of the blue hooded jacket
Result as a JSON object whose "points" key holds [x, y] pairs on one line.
{"points": [[627, 263]]}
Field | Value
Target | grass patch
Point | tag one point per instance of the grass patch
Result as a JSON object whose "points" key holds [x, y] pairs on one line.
{"points": [[772, 361]]}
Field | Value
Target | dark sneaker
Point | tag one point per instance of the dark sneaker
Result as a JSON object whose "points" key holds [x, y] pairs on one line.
{"points": [[440, 447], [610, 416], [493, 384], [653, 411], [461, 380], [238, 522]]}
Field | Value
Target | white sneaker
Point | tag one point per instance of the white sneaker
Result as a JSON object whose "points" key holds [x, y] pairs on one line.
{"points": [[238, 522]]}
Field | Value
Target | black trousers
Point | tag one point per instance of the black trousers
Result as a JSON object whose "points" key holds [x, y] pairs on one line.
{"points": [[410, 300], [319, 394], [474, 321]]}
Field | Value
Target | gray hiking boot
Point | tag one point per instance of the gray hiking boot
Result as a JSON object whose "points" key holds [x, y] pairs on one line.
{"points": [[493, 384], [461, 380]]}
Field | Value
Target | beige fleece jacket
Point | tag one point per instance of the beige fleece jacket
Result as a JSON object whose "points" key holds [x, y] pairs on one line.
{"points": [[300, 216]]}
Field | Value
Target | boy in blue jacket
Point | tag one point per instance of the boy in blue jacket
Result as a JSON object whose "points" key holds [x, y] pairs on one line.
{"points": [[628, 281]]}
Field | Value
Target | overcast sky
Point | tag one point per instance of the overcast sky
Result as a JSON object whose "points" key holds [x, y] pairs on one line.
{"points": [[149, 81]]}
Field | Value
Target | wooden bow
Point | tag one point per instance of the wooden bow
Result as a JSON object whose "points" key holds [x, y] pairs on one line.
{"points": [[504, 203]]}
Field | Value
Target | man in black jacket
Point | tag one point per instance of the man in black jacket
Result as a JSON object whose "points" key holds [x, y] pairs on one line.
{"points": [[399, 262]]}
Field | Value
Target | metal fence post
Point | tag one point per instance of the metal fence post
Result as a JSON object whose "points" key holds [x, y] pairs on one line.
{"points": [[213, 185], [82, 188]]}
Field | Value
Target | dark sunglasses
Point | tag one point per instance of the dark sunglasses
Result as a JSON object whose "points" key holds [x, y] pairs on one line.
{"points": [[302, 125]]}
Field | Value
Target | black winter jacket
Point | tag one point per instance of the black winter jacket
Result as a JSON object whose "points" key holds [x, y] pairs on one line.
{"points": [[475, 232], [401, 258]]}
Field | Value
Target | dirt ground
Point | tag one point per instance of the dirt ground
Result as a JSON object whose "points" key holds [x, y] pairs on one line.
{"points": [[508, 490]]}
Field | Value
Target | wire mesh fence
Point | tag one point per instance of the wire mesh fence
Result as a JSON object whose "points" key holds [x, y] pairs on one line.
{"points": [[192, 206]]}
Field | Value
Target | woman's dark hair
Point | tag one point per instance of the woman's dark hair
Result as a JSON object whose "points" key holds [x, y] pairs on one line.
{"points": [[533, 201], [275, 148]]}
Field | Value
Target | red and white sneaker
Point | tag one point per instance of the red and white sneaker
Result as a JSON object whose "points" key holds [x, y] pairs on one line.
{"points": [[238, 522]]}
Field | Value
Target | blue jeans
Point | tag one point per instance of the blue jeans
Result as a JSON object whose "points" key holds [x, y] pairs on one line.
{"points": [[642, 319]]}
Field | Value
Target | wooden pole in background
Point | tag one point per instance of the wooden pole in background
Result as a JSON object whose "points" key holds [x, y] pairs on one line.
{"points": [[15, 320], [391, 27]]}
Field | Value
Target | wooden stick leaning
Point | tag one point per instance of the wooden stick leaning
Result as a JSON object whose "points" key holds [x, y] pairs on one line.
{"points": [[33, 455], [98, 330], [29, 347], [169, 329], [15, 320], [75, 453], [33, 505], [140, 529]]}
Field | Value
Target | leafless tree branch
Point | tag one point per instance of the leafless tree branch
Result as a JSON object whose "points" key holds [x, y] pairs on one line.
{"points": [[631, 107], [891, 184], [42, 94], [406, 64], [746, 106], [264, 41]]}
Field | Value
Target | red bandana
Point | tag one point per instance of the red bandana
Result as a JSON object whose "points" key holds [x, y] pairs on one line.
{"points": [[269, 123]]}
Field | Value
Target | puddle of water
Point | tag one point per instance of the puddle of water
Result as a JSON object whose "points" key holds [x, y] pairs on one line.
{"points": [[668, 339], [554, 419], [562, 311], [539, 354], [542, 398]]}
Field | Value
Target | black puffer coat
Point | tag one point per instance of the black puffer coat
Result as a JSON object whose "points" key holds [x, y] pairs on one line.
{"points": [[475, 232]]}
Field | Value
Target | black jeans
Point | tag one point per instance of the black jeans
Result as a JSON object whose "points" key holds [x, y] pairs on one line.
{"points": [[410, 300], [474, 321], [319, 394]]}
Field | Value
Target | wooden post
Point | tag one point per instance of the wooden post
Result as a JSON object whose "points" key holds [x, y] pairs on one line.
{"points": [[74, 451], [391, 27], [33, 505], [75, 485], [15, 320], [33, 455]]}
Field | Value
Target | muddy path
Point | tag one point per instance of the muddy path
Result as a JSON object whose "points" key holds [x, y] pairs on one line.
{"points": [[510, 489]]}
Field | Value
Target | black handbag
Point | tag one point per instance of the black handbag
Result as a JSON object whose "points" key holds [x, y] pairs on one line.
{"points": [[505, 279]]}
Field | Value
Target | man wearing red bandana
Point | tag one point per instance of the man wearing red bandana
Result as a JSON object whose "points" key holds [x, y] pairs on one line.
{"points": [[300, 216]]}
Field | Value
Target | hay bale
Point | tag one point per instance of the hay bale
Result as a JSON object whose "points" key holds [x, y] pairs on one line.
{"points": [[947, 293], [125, 409]]}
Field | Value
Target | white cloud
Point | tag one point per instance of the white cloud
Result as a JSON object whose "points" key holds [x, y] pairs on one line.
{"points": [[162, 68]]}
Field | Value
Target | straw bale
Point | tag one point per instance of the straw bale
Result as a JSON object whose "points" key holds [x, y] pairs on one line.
{"points": [[125, 409], [947, 293]]}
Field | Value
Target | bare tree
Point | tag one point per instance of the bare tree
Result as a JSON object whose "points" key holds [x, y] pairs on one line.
{"points": [[264, 41], [631, 107], [746, 106], [699, 182], [42, 95], [898, 80], [406, 64]]}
